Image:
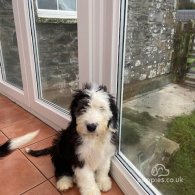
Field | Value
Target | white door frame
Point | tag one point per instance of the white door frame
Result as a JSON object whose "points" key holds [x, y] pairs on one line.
{"points": [[6, 88]]}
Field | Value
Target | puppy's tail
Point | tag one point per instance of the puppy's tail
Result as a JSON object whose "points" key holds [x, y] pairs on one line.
{"points": [[41, 152], [15, 143]]}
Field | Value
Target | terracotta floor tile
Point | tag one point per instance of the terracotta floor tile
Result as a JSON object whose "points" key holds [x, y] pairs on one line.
{"points": [[22, 127], [43, 163], [45, 188], [17, 174], [4, 100], [5, 103], [114, 191], [10, 115], [3, 138]]}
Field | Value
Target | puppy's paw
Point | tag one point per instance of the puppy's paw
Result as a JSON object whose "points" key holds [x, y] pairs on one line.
{"points": [[104, 183], [64, 183], [91, 191]]}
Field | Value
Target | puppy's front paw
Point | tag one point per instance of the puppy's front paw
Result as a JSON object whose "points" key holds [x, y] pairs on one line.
{"points": [[64, 183], [91, 191], [104, 183]]}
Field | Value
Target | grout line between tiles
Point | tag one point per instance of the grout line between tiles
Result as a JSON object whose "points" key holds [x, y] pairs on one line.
{"points": [[33, 164], [33, 187]]}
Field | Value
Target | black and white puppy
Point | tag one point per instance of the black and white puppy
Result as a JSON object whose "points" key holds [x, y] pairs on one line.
{"points": [[13, 144], [83, 151]]}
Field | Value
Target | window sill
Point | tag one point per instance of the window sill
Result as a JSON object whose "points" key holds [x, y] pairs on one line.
{"points": [[56, 20]]}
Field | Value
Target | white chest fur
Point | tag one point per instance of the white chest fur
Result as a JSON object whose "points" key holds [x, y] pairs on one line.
{"points": [[94, 151]]}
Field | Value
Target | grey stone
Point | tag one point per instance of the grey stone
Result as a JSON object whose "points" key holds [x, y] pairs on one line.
{"points": [[149, 38]]}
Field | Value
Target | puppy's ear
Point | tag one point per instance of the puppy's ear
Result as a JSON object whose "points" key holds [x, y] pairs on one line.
{"points": [[86, 86], [74, 103], [113, 122], [80, 100], [73, 107], [103, 88]]}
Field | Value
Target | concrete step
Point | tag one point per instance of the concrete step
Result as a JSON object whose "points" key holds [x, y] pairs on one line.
{"points": [[190, 83], [190, 76]]}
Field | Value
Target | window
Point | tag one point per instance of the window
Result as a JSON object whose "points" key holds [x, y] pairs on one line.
{"points": [[57, 9], [157, 112], [9, 56], [56, 57]]}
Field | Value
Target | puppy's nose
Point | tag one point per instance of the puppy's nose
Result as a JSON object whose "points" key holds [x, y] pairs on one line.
{"points": [[91, 127]]}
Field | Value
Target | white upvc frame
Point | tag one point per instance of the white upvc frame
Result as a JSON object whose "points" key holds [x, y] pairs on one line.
{"points": [[99, 51], [46, 13], [98, 46], [20, 96], [63, 14]]}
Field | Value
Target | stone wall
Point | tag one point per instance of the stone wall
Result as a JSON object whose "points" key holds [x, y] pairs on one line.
{"points": [[58, 59], [58, 53], [149, 39]]}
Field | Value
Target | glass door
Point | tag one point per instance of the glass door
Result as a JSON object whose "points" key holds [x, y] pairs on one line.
{"points": [[156, 102], [11, 79]]}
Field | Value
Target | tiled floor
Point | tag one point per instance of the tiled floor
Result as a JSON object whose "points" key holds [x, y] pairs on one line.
{"points": [[23, 174]]}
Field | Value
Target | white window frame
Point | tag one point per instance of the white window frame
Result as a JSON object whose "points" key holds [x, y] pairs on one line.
{"points": [[62, 14], [13, 92], [100, 51]]}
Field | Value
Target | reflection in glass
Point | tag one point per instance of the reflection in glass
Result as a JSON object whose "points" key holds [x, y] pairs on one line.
{"points": [[68, 5], [47, 4]]}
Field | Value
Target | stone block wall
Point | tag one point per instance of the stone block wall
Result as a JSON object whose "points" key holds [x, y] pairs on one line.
{"points": [[58, 53], [149, 39], [58, 59]]}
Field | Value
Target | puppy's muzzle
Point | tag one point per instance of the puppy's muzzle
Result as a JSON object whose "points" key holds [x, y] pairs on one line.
{"points": [[91, 127]]}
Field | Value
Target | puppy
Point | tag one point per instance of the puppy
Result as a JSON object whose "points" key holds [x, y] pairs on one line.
{"points": [[13, 144], [82, 152]]}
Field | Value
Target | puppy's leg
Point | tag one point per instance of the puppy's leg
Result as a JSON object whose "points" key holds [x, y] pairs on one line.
{"points": [[103, 180], [86, 181], [63, 174], [64, 182]]}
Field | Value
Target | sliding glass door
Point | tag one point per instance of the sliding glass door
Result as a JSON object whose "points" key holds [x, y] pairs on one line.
{"points": [[12, 73], [9, 56], [156, 108]]}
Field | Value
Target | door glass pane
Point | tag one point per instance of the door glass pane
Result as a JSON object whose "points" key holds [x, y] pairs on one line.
{"points": [[68, 5], [56, 57], [158, 96], [9, 56], [47, 4]]}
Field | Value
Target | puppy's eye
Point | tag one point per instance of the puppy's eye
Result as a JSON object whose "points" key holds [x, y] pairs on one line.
{"points": [[101, 108]]}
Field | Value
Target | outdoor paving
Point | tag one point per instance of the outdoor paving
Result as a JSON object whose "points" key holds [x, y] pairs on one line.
{"points": [[166, 103]]}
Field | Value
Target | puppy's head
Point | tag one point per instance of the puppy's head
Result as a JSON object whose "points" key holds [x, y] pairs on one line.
{"points": [[93, 110]]}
